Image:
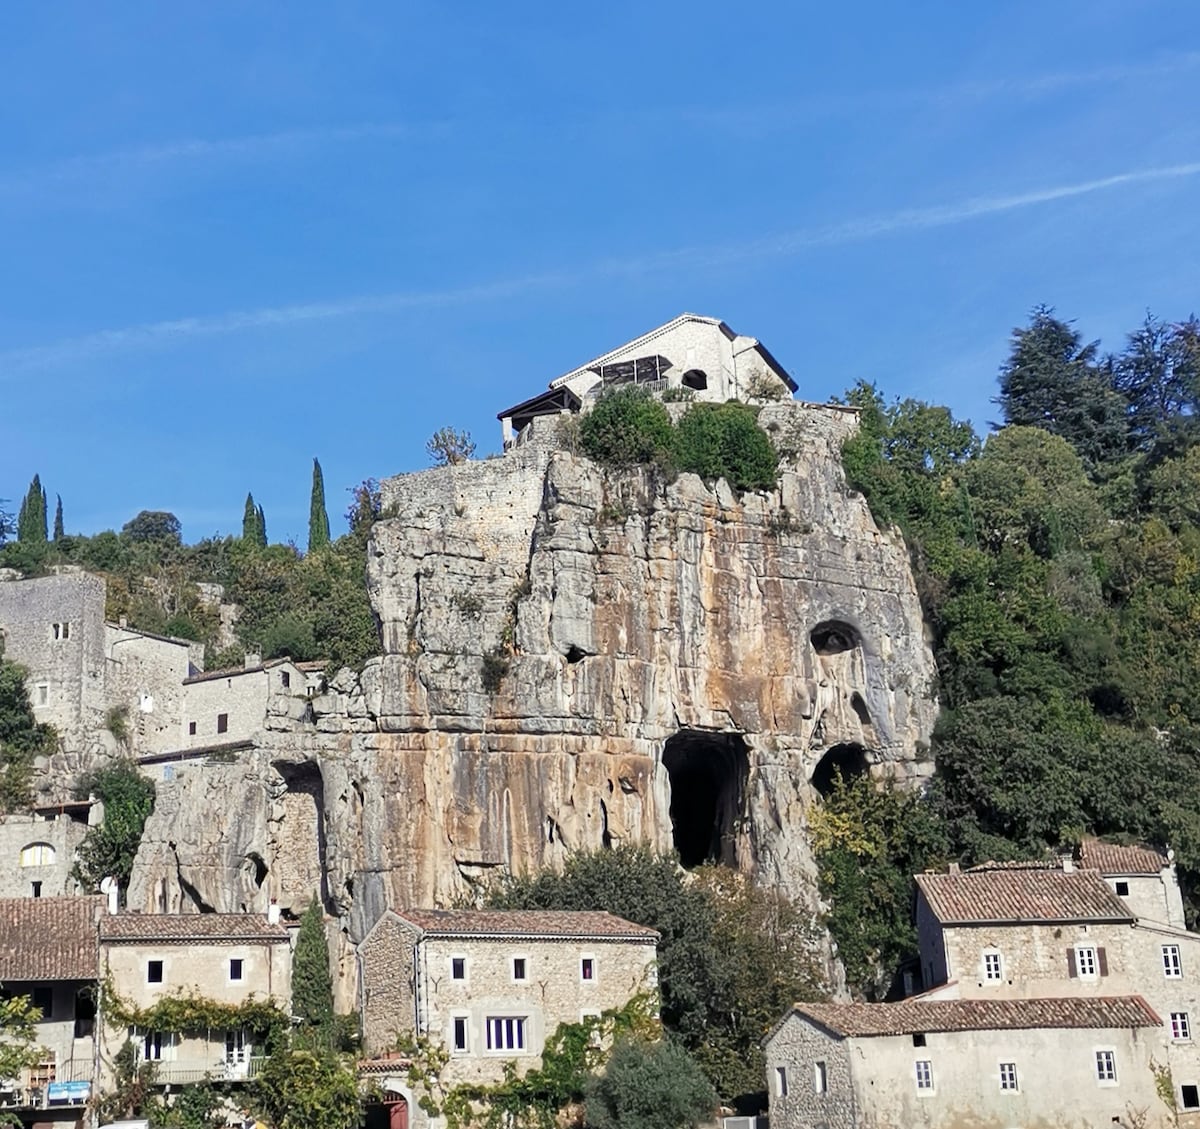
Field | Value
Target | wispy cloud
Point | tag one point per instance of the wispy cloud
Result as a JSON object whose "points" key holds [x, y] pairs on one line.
{"points": [[707, 256]]}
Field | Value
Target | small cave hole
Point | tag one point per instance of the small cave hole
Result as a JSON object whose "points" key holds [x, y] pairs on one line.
{"points": [[845, 761], [260, 868], [860, 708], [708, 774], [833, 637], [575, 653]]}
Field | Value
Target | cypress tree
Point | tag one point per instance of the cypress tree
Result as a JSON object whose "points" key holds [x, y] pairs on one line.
{"points": [[31, 526], [318, 519], [262, 528], [58, 520], [312, 986], [250, 521]]}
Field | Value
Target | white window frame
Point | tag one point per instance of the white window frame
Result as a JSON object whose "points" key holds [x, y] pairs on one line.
{"points": [[512, 968], [1010, 1082], [520, 1032], [164, 1050], [229, 970], [923, 1075], [40, 853], [466, 966], [1105, 1064], [992, 960], [1181, 1027], [820, 1076], [455, 1017], [780, 1080], [595, 977], [1189, 1108], [1172, 962], [242, 1048], [1087, 962]]}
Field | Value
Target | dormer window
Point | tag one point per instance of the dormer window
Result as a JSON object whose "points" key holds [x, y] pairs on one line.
{"points": [[993, 966]]}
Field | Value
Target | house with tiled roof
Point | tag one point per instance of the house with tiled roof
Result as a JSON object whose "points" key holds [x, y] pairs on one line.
{"points": [[48, 952], [946, 1064], [699, 356], [1143, 877], [492, 985], [229, 958]]}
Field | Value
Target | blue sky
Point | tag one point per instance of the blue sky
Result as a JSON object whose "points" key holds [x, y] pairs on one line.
{"points": [[238, 236]]}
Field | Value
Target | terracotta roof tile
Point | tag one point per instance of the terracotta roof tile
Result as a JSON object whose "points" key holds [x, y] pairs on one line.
{"points": [[1110, 858], [524, 923], [911, 1016], [190, 927], [1021, 895], [49, 938]]}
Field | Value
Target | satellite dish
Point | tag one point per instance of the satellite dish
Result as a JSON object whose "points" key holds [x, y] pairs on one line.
{"points": [[107, 884]]}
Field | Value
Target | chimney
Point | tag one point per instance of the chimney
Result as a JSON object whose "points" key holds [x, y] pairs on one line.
{"points": [[955, 868], [253, 660], [273, 913]]}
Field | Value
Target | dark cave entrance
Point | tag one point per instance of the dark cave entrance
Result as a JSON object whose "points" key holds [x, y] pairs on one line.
{"points": [[848, 761], [708, 773]]}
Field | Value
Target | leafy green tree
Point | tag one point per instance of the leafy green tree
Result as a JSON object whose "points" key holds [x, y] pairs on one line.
{"points": [[312, 985], [725, 441], [299, 1088], [1052, 380], [318, 516], [1158, 375], [650, 1086], [365, 510], [627, 427], [447, 447], [22, 737], [31, 524], [153, 526], [59, 533], [109, 849]]}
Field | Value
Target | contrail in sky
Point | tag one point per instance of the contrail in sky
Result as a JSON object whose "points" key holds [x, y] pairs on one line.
{"points": [[705, 256]]}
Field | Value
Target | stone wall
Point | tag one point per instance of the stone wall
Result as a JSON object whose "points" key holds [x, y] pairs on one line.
{"points": [[792, 1053], [145, 675], [17, 877], [387, 984]]}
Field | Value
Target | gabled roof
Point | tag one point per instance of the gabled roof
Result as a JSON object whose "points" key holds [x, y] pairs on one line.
{"points": [[187, 928], [1021, 896], [666, 327], [1112, 860], [49, 938], [557, 924], [913, 1016], [234, 671]]}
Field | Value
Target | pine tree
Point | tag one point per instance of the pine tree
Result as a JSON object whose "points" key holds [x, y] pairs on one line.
{"points": [[262, 528], [318, 518], [58, 518], [31, 526], [312, 986]]}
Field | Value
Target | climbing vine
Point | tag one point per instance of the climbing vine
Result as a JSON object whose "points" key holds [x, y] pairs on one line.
{"points": [[175, 1015]]}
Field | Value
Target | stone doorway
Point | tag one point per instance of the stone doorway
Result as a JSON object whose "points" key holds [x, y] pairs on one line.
{"points": [[707, 773]]}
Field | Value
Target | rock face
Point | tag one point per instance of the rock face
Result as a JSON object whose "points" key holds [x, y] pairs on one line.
{"points": [[576, 657]]}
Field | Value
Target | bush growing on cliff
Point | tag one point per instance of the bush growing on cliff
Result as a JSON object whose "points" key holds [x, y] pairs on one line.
{"points": [[628, 427], [21, 736], [725, 441], [109, 849], [649, 1086]]}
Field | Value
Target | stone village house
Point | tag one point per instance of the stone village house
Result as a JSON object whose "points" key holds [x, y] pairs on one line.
{"points": [[490, 986], [1049, 983]]}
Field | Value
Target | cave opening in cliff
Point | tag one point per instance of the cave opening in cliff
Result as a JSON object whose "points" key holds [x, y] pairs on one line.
{"points": [[301, 865], [833, 637], [847, 762], [707, 773]]}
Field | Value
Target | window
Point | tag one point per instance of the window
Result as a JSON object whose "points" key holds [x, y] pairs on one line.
{"points": [[237, 1048], [518, 966], [222, 723], [43, 999], [85, 1013], [1106, 1068], [918, 1038], [1008, 1076], [1190, 1096], [587, 968], [781, 1082], [43, 694], [37, 889], [191, 729], [924, 1070], [154, 972], [459, 1039], [505, 1033], [285, 679], [235, 969], [993, 968], [37, 854], [156, 1046], [62, 631], [1172, 967], [1181, 1028], [1085, 961], [458, 968], [1123, 889], [820, 1077]]}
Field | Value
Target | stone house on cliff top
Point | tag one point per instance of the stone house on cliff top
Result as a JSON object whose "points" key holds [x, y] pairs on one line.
{"points": [[700, 354]]}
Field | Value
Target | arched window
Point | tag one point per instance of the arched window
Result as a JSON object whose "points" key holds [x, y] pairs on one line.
{"points": [[37, 854]]}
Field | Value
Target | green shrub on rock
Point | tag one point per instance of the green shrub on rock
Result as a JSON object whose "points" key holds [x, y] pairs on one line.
{"points": [[628, 427], [725, 441]]}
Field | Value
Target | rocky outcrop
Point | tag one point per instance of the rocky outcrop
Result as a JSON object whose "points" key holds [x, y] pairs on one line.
{"points": [[576, 657]]}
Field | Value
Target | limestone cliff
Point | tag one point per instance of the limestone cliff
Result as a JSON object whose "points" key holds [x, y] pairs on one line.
{"points": [[575, 657]]}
